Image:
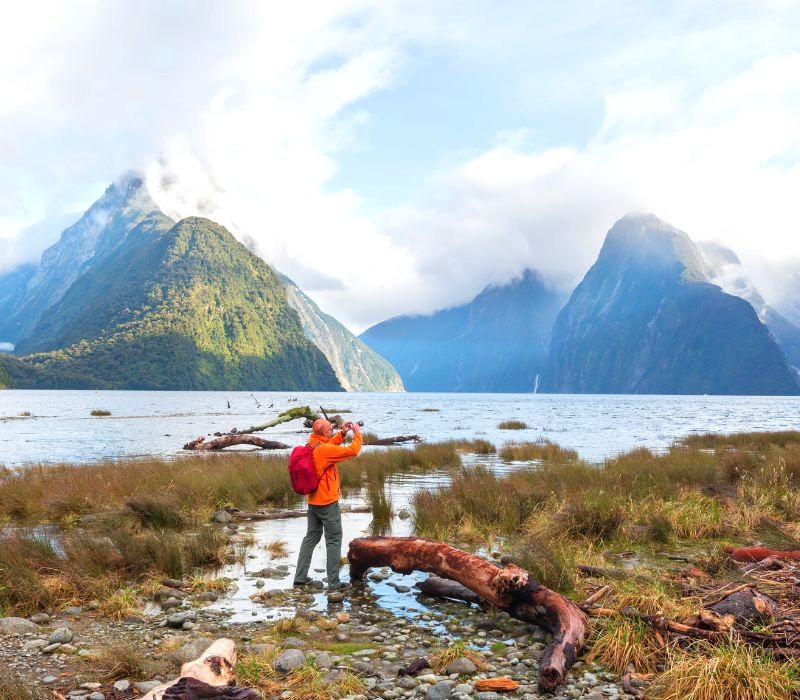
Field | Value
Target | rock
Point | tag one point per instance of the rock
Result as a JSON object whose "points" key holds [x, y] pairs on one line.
{"points": [[165, 592], [404, 514], [73, 612], [146, 686], [188, 626], [189, 651], [40, 618], [343, 617], [170, 603], [97, 696], [122, 686], [323, 660], [93, 605], [289, 660], [506, 559], [439, 691], [462, 666], [176, 621], [173, 583], [17, 625], [463, 689], [333, 676], [487, 695], [67, 649], [293, 643], [34, 644], [335, 597], [50, 648], [47, 680], [221, 516], [407, 682]]}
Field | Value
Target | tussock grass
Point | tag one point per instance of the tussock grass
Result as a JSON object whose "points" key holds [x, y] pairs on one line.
{"points": [[619, 643], [121, 659], [289, 626], [748, 440], [442, 658], [278, 549], [476, 446], [100, 412], [512, 425], [14, 688], [124, 602], [541, 450], [381, 505], [430, 410], [726, 671], [551, 562]]}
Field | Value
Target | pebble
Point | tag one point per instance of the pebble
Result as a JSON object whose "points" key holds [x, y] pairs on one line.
{"points": [[122, 686], [439, 691], [462, 666], [487, 695]]}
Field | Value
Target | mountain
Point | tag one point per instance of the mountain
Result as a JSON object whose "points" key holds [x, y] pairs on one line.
{"points": [[82, 246], [357, 367], [645, 319], [123, 271], [725, 270], [179, 307], [497, 342]]}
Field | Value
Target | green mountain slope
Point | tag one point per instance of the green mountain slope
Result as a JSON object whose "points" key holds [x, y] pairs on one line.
{"points": [[180, 307], [358, 367]]}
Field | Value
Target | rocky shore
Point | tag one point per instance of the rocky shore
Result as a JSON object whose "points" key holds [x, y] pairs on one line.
{"points": [[351, 633]]}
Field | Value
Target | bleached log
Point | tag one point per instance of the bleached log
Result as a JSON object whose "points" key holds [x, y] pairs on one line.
{"points": [[221, 443]]}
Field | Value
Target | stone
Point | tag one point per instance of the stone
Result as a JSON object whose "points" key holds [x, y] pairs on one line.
{"points": [[407, 682], [323, 660], [34, 644], [97, 696], [47, 680], [73, 612], [170, 603], [189, 651], [122, 686], [439, 691], [463, 689], [221, 516], [404, 514], [488, 695], [289, 660], [17, 625], [462, 666], [50, 648], [293, 643], [176, 621], [39, 618], [146, 686], [335, 597]]}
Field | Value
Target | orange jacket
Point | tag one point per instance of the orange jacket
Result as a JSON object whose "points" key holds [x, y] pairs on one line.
{"points": [[327, 455]]}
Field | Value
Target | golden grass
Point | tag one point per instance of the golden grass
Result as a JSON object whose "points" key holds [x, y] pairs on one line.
{"points": [[277, 549], [729, 670], [441, 658], [289, 626], [305, 683], [621, 644], [121, 659], [14, 688], [122, 603], [512, 425]]}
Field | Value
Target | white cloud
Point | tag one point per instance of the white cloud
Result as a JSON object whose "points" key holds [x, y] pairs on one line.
{"points": [[724, 165]]}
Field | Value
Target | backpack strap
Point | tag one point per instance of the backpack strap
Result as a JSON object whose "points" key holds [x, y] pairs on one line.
{"points": [[314, 447]]}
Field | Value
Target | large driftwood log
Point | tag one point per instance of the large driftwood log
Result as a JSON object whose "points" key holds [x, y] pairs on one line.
{"points": [[750, 554], [221, 443], [211, 675], [289, 414], [511, 589]]}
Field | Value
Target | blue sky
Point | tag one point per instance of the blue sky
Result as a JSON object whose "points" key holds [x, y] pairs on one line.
{"points": [[442, 145]]}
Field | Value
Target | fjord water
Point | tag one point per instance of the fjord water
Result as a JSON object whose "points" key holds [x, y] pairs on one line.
{"points": [[61, 429]]}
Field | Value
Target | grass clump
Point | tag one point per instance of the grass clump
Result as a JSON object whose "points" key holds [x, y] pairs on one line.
{"points": [[14, 688], [100, 412], [728, 670], [277, 549], [124, 602], [155, 515], [543, 450], [442, 658], [381, 506], [512, 425], [290, 626], [620, 643], [430, 410], [120, 659]]}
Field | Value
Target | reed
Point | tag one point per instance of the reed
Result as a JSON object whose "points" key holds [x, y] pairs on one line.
{"points": [[512, 425]]}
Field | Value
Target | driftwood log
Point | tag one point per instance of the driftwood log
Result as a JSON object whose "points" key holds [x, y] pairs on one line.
{"points": [[511, 589], [221, 443], [211, 675], [751, 554], [396, 440]]}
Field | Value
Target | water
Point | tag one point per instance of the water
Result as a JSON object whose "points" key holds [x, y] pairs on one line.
{"points": [[159, 423]]}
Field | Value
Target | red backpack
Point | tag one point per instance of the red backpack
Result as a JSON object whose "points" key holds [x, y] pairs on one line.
{"points": [[301, 469]]}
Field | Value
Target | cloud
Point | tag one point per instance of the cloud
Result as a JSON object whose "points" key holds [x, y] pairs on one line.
{"points": [[723, 165]]}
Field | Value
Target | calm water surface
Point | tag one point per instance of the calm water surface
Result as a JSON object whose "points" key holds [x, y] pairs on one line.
{"points": [[60, 428]]}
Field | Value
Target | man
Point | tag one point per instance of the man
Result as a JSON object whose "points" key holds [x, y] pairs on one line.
{"points": [[323, 502]]}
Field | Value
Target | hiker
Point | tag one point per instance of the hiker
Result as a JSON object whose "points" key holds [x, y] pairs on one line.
{"points": [[323, 502]]}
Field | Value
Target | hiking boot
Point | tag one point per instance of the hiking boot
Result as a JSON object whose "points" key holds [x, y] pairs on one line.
{"points": [[302, 584]]}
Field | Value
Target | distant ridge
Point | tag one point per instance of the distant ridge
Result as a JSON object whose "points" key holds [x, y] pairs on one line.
{"points": [[498, 342]]}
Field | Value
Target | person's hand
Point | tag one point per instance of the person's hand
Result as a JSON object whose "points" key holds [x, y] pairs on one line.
{"points": [[356, 428], [347, 427]]}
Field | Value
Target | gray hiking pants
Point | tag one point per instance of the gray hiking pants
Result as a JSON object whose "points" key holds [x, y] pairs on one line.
{"points": [[328, 519]]}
